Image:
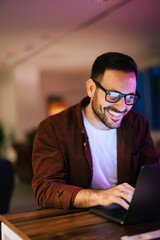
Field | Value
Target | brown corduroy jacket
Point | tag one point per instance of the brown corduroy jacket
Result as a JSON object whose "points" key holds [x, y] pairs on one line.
{"points": [[62, 162]]}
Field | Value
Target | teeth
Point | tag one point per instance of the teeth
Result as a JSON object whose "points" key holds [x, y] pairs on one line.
{"points": [[114, 113]]}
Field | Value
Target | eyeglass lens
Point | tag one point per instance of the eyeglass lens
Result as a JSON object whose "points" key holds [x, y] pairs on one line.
{"points": [[112, 96]]}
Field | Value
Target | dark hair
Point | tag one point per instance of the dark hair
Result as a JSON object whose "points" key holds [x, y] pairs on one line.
{"points": [[113, 61]]}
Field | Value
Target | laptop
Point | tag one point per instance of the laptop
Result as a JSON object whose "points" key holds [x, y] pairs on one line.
{"points": [[145, 204]]}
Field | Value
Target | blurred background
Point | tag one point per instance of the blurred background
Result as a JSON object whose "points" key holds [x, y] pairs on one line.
{"points": [[47, 48]]}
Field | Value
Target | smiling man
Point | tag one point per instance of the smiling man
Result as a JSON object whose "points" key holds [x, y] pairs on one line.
{"points": [[91, 153], [108, 108]]}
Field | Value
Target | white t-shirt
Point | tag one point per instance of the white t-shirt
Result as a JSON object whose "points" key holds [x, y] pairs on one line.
{"points": [[103, 144]]}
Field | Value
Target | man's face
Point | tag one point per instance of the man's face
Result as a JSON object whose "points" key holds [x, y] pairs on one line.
{"points": [[111, 114]]}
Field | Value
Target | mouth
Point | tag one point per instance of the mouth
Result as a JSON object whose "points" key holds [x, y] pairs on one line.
{"points": [[114, 115]]}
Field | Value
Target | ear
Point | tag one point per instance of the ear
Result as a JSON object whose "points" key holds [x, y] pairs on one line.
{"points": [[90, 87]]}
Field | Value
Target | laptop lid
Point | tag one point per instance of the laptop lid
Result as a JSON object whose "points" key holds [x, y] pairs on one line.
{"points": [[145, 204]]}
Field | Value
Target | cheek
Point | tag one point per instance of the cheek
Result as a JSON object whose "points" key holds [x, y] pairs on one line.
{"points": [[128, 108], [98, 99], [100, 102], [105, 105]]}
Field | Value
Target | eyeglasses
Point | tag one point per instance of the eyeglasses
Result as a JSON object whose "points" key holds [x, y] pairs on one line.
{"points": [[114, 96]]}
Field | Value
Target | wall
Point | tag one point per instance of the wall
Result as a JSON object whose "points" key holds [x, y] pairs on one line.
{"points": [[27, 100], [8, 115], [24, 92], [69, 86]]}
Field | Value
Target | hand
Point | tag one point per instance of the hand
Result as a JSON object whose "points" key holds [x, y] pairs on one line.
{"points": [[121, 194]]}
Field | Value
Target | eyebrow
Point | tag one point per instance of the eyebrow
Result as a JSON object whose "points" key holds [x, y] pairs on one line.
{"points": [[102, 88], [114, 90]]}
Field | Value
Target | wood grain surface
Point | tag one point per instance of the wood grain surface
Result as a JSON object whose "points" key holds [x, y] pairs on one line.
{"points": [[77, 224]]}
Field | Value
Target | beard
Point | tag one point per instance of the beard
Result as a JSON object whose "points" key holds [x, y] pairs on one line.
{"points": [[102, 114]]}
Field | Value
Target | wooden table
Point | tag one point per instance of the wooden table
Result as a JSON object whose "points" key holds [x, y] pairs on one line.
{"points": [[61, 224]]}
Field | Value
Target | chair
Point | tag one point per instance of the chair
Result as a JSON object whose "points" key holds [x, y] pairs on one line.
{"points": [[6, 184]]}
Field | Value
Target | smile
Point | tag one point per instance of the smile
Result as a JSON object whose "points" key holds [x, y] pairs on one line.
{"points": [[116, 114]]}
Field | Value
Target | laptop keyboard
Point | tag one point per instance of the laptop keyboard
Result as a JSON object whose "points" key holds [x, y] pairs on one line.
{"points": [[118, 212]]}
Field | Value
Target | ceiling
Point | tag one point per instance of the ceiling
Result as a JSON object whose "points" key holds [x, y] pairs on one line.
{"points": [[70, 34]]}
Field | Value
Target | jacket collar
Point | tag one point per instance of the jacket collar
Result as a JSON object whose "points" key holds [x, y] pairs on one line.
{"points": [[85, 101]]}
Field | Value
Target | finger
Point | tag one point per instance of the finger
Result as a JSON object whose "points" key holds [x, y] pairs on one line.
{"points": [[126, 192], [116, 198], [122, 203], [127, 189], [127, 186], [126, 196]]}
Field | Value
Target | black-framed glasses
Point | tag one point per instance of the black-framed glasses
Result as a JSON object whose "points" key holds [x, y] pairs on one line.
{"points": [[115, 96]]}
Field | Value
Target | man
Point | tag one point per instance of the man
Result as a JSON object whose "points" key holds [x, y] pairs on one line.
{"points": [[91, 153]]}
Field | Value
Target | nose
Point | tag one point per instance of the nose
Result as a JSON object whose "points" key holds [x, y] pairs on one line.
{"points": [[120, 105]]}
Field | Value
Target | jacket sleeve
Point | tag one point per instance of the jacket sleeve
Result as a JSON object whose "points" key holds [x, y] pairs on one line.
{"points": [[49, 171]]}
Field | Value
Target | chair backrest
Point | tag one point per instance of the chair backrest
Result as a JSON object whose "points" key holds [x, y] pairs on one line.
{"points": [[6, 184]]}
